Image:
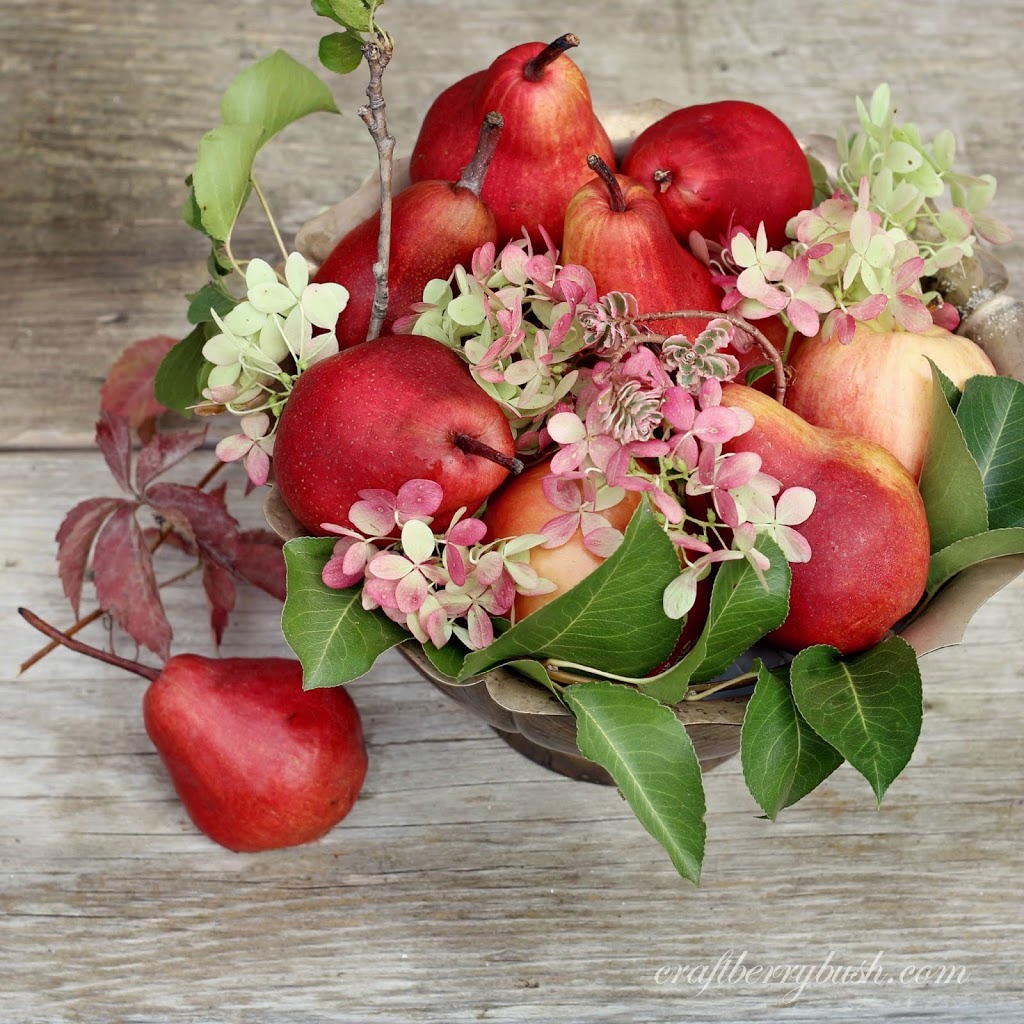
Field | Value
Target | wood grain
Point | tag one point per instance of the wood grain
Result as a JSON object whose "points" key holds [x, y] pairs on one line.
{"points": [[468, 883]]}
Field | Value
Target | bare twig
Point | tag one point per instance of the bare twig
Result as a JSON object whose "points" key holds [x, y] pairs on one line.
{"points": [[378, 54]]}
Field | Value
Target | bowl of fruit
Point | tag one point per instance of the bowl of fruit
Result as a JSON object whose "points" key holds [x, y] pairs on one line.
{"points": [[653, 440]]}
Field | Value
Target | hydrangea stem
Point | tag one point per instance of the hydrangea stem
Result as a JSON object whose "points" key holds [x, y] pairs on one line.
{"points": [[762, 342]]}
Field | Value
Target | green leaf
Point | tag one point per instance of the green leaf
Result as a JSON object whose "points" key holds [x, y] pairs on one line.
{"points": [[742, 611], [190, 212], [210, 296], [783, 757], [949, 390], [353, 14], [646, 750], [867, 706], [991, 415], [945, 564], [951, 484], [273, 93], [221, 175], [448, 659], [334, 637], [341, 52], [177, 380], [755, 373], [612, 621]]}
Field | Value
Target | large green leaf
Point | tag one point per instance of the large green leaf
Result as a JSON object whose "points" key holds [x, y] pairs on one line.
{"points": [[742, 611], [353, 14], [210, 296], [273, 93], [945, 564], [645, 749], [334, 637], [221, 175], [612, 621], [991, 415], [783, 757], [867, 706], [951, 483], [262, 100]]}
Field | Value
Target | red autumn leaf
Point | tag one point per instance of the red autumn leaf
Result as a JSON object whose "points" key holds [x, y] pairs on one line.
{"points": [[74, 542], [128, 390], [220, 592], [125, 583], [202, 513], [260, 561], [164, 451], [114, 438]]}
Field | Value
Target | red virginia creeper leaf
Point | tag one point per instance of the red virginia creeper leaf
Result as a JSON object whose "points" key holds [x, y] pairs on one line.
{"points": [[125, 582], [220, 592], [214, 528], [114, 438], [163, 451], [260, 561], [128, 390], [74, 542]]}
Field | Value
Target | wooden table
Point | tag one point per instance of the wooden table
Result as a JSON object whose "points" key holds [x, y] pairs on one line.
{"points": [[468, 883]]}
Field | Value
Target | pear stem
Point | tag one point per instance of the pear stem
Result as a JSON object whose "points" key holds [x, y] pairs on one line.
{"points": [[533, 71], [605, 173], [93, 652], [474, 446], [763, 343], [476, 170], [373, 115]]}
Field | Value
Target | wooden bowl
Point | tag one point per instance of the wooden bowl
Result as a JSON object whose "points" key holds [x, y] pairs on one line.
{"points": [[527, 716]]}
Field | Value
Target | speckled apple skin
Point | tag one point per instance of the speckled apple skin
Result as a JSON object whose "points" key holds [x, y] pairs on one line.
{"points": [[378, 415], [868, 532]]}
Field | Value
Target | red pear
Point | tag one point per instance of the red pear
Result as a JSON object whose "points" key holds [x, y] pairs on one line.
{"points": [[880, 385], [258, 762], [720, 165], [550, 127], [868, 532], [435, 225], [399, 408], [617, 230]]}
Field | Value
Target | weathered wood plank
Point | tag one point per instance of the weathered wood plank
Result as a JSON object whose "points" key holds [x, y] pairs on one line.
{"points": [[468, 883]]}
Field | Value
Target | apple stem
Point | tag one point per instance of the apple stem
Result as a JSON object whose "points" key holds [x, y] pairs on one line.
{"points": [[476, 170], [533, 70], [474, 446], [604, 172], [663, 179], [93, 652]]}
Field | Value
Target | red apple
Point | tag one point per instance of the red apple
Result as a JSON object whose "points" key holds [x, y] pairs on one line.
{"points": [[399, 408], [720, 165]]}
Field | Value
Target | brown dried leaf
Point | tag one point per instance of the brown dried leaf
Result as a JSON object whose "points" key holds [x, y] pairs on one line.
{"points": [[125, 583], [260, 561], [213, 527], [164, 451], [114, 438], [220, 592], [128, 390], [74, 542]]}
